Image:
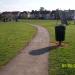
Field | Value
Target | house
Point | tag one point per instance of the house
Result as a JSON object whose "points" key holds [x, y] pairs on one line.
{"points": [[55, 14], [40, 14], [28, 15], [6, 16], [69, 14], [34, 14], [9, 16], [16, 14], [44, 14], [52, 15], [23, 15]]}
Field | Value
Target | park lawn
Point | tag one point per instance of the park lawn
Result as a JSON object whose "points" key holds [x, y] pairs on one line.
{"points": [[14, 36], [61, 60]]}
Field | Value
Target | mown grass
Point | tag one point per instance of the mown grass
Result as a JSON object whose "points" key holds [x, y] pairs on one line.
{"points": [[62, 55], [14, 36]]}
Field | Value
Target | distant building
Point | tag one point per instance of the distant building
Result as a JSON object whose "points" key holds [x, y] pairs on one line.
{"points": [[9, 16], [28, 15], [23, 15], [34, 14], [40, 14], [69, 14]]}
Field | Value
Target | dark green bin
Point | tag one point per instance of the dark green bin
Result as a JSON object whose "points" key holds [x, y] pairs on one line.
{"points": [[60, 33]]}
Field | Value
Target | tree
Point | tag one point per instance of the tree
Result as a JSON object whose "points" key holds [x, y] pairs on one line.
{"points": [[42, 9]]}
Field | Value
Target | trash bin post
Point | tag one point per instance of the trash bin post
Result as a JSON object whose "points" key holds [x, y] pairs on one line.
{"points": [[60, 33]]}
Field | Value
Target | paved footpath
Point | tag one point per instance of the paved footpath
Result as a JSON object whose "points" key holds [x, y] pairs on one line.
{"points": [[33, 60]]}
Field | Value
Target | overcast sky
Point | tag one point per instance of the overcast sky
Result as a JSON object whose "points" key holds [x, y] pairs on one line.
{"points": [[28, 5]]}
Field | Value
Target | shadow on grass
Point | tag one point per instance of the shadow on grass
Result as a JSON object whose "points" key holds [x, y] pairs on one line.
{"points": [[42, 50]]}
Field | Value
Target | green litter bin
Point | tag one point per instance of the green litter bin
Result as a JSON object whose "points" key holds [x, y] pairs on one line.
{"points": [[60, 33]]}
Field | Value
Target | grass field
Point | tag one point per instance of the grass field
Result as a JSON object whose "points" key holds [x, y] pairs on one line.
{"points": [[14, 36], [61, 60]]}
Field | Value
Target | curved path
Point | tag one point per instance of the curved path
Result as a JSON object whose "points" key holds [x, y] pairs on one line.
{"points": [[33, 60]]}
